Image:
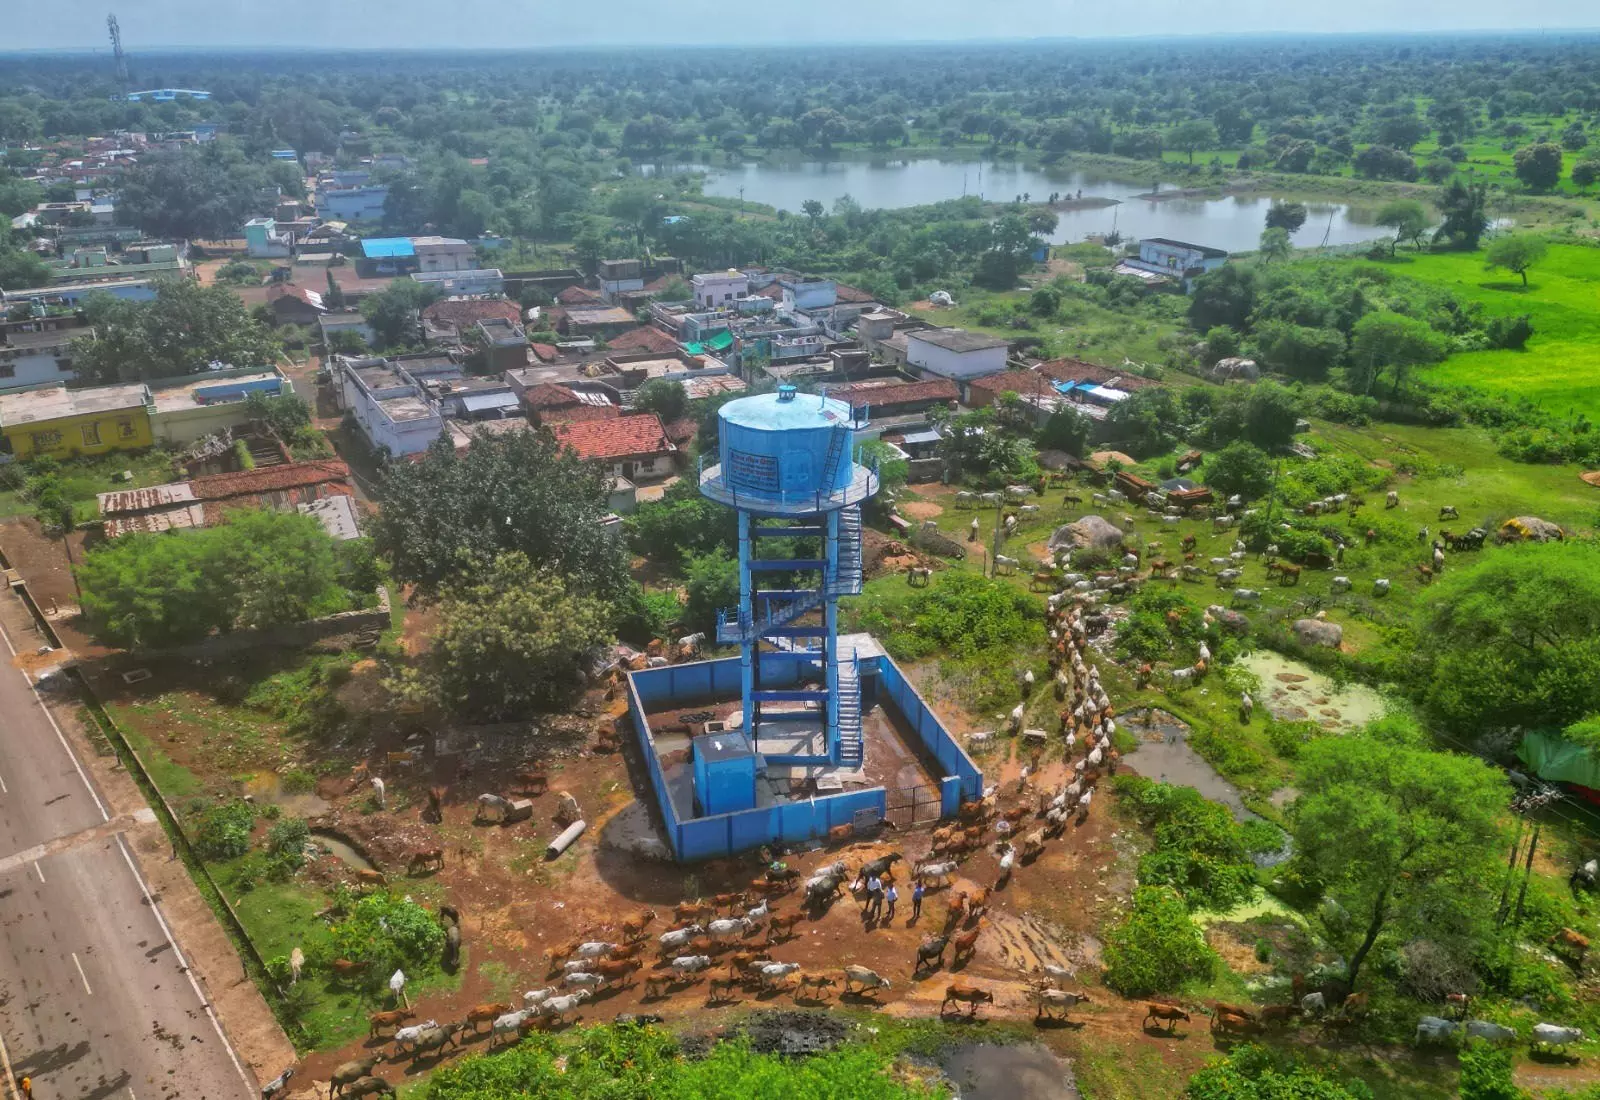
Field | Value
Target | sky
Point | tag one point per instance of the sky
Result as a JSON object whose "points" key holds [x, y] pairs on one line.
{"points": [[150, 24]]}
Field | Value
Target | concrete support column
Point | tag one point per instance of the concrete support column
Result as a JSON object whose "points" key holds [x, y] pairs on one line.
{"points": [[747, 682]]}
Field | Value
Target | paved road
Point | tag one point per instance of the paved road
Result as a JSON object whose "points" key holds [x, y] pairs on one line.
{"points": [[96, 1002]]}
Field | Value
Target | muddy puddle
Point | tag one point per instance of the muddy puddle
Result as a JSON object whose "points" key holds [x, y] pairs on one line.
{"points": [[986, 1071], [341, 850], [1164, 754], [1294, 691], [268, 787]]}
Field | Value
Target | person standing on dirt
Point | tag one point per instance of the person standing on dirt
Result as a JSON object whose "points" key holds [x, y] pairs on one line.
{"points": [[874, 896], [27, 1088], [916, 902], [893, 896]]}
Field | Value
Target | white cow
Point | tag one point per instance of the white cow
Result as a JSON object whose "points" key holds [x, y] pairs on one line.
{"points": [[1341, 584], [508, 1024], [585, 981], [723, 929], [595, 949], [1489, 1032], [1380, 587], [1554, 1035], [1246, 595], [411, 1034], [776, 972], [866, 979], [670, 940], [533, 998], [560, 1006], [691, 964], [1313, 1003], [1435, 1029]]}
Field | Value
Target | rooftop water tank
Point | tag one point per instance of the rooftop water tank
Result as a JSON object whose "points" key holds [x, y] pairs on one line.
{"points": [[785, 443]]}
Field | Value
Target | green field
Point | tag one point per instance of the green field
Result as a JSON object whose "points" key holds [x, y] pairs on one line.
{"points": [[1560, 369]]}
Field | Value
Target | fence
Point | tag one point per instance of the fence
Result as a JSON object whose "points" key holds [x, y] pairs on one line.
{"points": [[692, 838]]}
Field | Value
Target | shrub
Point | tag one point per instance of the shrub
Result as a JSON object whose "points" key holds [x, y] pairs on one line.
{"points": [[388, 933], [288, 838], [1157, 947], [1288, 738], [223, 831], [963, 614], [1199, 849]]}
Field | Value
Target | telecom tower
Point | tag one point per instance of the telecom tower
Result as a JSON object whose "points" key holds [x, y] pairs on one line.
{"points": [[116, 52], [787, 467]]}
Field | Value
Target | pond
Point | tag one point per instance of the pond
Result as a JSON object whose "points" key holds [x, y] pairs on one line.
{"points": [[1233, 223], [1293, 691], [988, 1071], [342, 850]]}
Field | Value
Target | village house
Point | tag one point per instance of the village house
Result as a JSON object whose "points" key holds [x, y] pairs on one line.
{"points": [[633, 447], [61, 423], [331, 324], [955, 353], [549, 402], [716, 289], [1163, 259], [452, 320], [264, 240], [895, 398], [39, 349], [294, 305], [186, 409]]}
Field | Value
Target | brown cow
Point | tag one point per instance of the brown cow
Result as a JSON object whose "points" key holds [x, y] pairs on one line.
{"points": [[486, 1014], [371, 878], [429, 859], [966, 943], [344, 969], [970, 995], [782, 926], [1247, 1011], [555, 956], [721, 989], [1159, 1010], [1232, 1023], [1279, 1014], [840, 833], [387, 1021], [612, 969], [1574, 941], [693, 911], [531, 782], [628, 951], [729, 902], [818, 982]]}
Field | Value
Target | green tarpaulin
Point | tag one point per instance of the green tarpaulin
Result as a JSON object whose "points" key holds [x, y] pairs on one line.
{"points": [[695, 349], [1554, 758], [722, 341]]}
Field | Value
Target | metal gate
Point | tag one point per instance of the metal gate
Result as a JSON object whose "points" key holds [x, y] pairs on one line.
{"points": [[912, 806]]}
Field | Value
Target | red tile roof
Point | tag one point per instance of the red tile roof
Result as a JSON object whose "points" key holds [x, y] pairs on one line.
{"points": [[578, 295], [898, 393], [622, 437], [643, 338], [771, 290], [548, 395], [268, 479], [682, 430], [289, 290], [1076, 370], [469, 311], [545, 353], [851, 295], [1025, 382]]}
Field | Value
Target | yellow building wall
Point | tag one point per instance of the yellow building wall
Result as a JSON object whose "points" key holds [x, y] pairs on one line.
{"points": [[90, 434]]}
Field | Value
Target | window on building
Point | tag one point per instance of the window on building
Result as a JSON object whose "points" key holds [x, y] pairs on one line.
{"points": [[44, 441], [91, 434], [8, 370], [125, 429], [64, 366]]}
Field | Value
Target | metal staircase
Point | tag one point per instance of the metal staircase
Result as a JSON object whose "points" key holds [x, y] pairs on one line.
{"points": [[830, 464], [847, 706], [848, 581], [736, 630]]}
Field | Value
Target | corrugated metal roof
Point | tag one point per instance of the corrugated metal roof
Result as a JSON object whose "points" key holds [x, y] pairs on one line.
{"points": [[477, 402], [194, 515], [387, 248], [143, 500]]}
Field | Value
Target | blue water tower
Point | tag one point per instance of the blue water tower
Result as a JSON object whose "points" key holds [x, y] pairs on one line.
{"points": [[786, 465]]}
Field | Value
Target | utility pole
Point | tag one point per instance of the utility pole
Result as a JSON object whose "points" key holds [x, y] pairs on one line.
{"points": [[1527, 872], [1511, 871]]}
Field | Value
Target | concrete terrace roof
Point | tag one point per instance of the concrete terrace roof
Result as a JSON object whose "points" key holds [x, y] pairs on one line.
{"points": [[58, 402], [387, 248], [957, 339]]}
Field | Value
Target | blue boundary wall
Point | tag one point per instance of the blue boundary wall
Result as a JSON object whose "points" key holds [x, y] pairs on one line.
{"points": [[791, 822]]}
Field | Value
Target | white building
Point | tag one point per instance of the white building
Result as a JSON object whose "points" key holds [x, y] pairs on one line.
{"points": [[389, 406], [38, 350], [444, 254], [1178, 260], [716, 289], [954, 353]]}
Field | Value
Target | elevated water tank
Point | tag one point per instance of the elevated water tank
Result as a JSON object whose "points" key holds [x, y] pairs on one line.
{"points": [[785, 444]]}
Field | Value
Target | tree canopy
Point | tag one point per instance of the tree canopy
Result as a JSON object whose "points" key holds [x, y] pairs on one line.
{"points": [[1400, 838], [449, 512], [186, 329], [1516, 253]]}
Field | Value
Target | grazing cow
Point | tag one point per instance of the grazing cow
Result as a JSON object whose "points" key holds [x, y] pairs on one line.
{"points": [[344, 969], [1003, 566], [782, 926], [350, 1072], [772, 973], [387, 1021], [508, 1026], [435, 1039], [1288, 574], [1391, 499], [931, 948], [868, 980], [485, 1014], [1158, 1010], [1233, 1023], [1585, 875], [1341, 584], [670, 941], [1247, 707], [1355, 1005], [1457, 1001], [966, 944], [1380, 587], [970, 995], [297, 962], [1574, 941], [1246, 595], [1492, 1033], [491, 807], [1448, 511], [1435, 1029], [557, 1007], [1553, 1035], [1045, 1001], [369, 1086], [818, 983], [633, 928], [685, 965]]}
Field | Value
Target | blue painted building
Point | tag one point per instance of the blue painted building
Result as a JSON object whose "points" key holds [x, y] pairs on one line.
{"points": [[786, 467]]}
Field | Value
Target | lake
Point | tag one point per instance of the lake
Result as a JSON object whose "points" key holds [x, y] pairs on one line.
{"points": [[1233, 223]]}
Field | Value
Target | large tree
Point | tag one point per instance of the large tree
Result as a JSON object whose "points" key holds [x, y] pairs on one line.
{"points": [[196, 193], [1516, 253], [449, 513], [1192, 135], [1538, 166], [511, 639], [1463, 208], [1407, 217], [184, 330], [1401, 839], [1511, 641], [1393, 342]]}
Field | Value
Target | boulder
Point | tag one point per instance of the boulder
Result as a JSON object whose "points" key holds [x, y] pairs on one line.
{"points": [[1090, 532], [1241, 370], [1531, 528], [1230, 619], [1310, 632]]}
